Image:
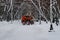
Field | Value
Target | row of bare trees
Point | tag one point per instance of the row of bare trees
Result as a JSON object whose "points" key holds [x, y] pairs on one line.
{"points": [[40, 9]]}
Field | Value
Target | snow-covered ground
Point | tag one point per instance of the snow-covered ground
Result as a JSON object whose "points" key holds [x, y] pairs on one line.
{"points": [[17, 31]]}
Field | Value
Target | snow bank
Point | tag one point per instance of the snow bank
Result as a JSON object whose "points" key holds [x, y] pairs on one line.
{"points": [[17, 31]]}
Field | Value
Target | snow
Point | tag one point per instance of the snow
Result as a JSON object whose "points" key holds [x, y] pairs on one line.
{"points": [[17, 31]]}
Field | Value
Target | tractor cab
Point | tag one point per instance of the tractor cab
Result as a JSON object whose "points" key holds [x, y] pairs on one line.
{"points": [[27, 19]]}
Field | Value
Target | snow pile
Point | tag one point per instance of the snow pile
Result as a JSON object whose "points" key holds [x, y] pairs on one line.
{"points": [[17, 31]]}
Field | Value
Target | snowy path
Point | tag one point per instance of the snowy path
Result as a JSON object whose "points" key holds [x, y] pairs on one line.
{"points": [[17, 31]]}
